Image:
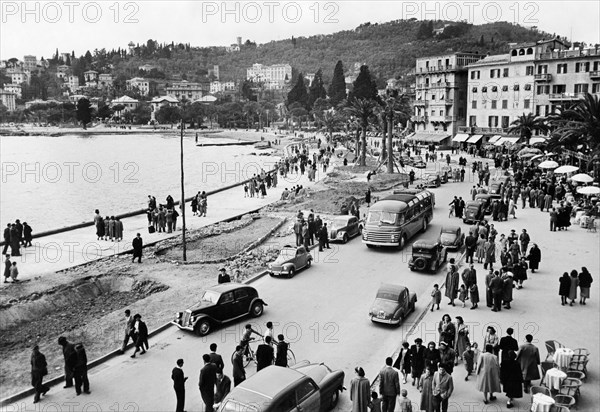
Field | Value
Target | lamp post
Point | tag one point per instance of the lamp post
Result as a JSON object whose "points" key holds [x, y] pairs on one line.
{"points": [[182, 204]]}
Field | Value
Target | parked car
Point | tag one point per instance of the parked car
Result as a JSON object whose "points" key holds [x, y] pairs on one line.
{"points": [[495, 188], [418, 162], [220, 304], [432, 180], [451, 237], [446, 174], [474, 212], [290, 260], [344, 228], [427, 256], [302, 387], [486, 200], [406, 160], [392, 304]]}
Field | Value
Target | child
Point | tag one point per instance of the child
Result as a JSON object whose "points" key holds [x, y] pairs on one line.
{"points": [[375, 404], [245, 189], [462, 294], [451, 213], [476, 353], [405, 404], [436, 296], [14, 272], [469, 358]]}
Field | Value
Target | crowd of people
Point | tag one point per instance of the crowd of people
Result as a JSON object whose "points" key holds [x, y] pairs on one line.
{"points": [[309, 229], [163, 217], [108, 228], [17, 235]]}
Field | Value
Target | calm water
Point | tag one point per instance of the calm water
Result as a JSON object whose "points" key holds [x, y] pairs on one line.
{"points": [[51, 182]]}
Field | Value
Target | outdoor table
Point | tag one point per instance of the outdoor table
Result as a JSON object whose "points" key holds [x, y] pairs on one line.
{"points": [[541, 403], [562, 357], [554, 378]]}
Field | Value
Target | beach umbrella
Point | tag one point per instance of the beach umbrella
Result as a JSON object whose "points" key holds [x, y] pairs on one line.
{"points": [[529, 151], [582, 178], [588, 190], [566, 169], [548, 164]]}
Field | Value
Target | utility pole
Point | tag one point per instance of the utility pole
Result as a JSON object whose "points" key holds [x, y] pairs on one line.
{"points": [[182, 204]]}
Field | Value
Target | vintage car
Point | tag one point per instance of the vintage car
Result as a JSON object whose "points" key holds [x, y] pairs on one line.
{"points": [[344, 228], [303, 387], [446, 174], [220, 304], [406, 160], [290, 260], [474, 212], [427, 256], [418, 162], [495, 188], [451, 237], [392, 304], [487, 200], [432, 180]]}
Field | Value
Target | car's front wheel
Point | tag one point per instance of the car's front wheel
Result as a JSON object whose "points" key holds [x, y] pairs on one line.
{"points": [[291, 273], [308, 263], [335, 397], [345, 239], [257, 309], [202, 327]]}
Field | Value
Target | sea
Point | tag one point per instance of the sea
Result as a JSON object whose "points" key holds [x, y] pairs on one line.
{"points": [[53, 182]]}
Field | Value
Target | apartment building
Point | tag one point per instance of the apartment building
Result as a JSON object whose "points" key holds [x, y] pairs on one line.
{"points": [[8, 99], [220, 87], [277, 73], [15, 89], [185, 90], [440, 106], [105, 80], [30, 63], [143, 85]]}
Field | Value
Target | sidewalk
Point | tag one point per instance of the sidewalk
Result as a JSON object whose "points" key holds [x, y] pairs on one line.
{"points": [[65, 250]]}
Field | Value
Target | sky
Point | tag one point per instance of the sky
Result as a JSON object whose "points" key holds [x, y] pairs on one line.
{"points": [[39, 27]]}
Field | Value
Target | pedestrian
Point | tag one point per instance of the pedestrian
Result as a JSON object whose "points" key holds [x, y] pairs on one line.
{"points": [[223, 388], [106, 227], [489, 254], [405, 404], [463, 294], [496, 288], [447, 330], [324, 238], [432, 356], [512, 208], [447, 356], [27, 235], [179, 385], [534, 257], [7, 267], [469, 360], [529, 359], [239, 373], [140, 333], [129, 322], [585, 282], [298, 231], [80, 371], [417, 360], [265, 354], [360, 391], [111, 228], [474, 295], [118, 229], [553, 219], [511, 378], [138, 245], [491, 338], [572, 289], [215, 357], [389, 384], [14, 272], [441, 388], [436, 297], [207, 382], [425, 387], [305, 235], [403, 361], [39, 369], [462, 337], [452, 279], [223, 276], [470, 246], [507, 344], [70, 357], [99, 223], [368, 197], [507, 288], [524, 239], [488, 374], [194, 203], [282, 349], [564, 288]]}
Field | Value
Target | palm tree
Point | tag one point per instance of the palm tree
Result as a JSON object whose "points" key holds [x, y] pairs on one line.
{"points": [[396, 108], [528, 123], [579, 125], [364, 112], [330, 122]]}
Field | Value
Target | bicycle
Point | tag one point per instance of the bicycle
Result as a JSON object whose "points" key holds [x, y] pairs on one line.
{"points": [[250, 356]]}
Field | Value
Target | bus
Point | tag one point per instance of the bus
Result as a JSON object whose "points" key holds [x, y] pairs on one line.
{"points": [[393, 220]]}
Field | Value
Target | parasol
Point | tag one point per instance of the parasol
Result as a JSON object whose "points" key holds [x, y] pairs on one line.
{"points": [[566, 169], [582, 178], [588, 190], [548, 164]]}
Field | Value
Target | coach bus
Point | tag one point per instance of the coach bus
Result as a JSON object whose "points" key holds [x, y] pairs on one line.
{"points": [[393, 220]]}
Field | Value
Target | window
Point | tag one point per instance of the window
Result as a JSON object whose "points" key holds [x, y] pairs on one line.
{"points": [[516, 87], [304, 391], [596, 88], [577, 67], [504, 122], [492, 73], [559, 88], [529, 71], [596, 66], [542, 69], [521, 52], [581, 88], [538, 110], [433, 97], [474, 104], [287, 404], [474, 89], [472, 121], [582, 67], [528, 87], [561, 68], [484, 89], [543, 89], [493, 121], [505, 104], [226, 298], [504, 88], [530, 51], [441, 112], [240, 294], [513, 53], [526, 103], [493, 104], [494, 88], [475, 74], [505, 72]]}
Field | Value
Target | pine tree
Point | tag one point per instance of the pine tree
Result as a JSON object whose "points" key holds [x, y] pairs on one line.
{"points": [[337, 88], [316, 89], [298, 93], [364, 86]]}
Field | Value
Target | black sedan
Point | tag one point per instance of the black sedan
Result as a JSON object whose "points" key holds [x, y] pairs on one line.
{"points": [[344, 228], [220, 304], [451, 237]]}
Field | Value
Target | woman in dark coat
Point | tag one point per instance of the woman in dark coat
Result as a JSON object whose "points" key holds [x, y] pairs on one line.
{"points": [[563, 289], [432, 356], [100, 227], [511, 378], [447, 330], [534, 258], [585, 282]]}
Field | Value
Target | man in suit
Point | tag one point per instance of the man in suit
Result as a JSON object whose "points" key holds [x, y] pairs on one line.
{"points": [[141, 335], [529, 359], [137, 245], [389, 386], [215, 357], [470, 245], [264, 354], [223, 387], [206, 383], [496, 287], [239, 373], [282, 348], [508, 343], [70, 357], [179, 385], [80, 371], [417, 360], [128, 329]]}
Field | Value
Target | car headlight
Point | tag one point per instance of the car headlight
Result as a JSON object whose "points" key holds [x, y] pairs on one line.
{"points": [[178, 315]]}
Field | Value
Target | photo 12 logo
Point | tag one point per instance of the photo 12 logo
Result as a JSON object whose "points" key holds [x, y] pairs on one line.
{"points": [[270, 12], [69, 11]]}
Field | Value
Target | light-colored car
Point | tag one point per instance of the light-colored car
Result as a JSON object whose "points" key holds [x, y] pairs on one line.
{"points": [[290, 260], [310, 387], [432, 180]]}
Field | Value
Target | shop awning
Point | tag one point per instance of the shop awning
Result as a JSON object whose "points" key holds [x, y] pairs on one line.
{"points": [[494, 139], [507, 140], [429, 137], [475, 138], [461, 137]]}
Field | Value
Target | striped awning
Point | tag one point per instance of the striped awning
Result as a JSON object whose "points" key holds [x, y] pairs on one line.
{"points": [[461, 137], [494, 139], [475, 138], [507, 140], [429, 137]]}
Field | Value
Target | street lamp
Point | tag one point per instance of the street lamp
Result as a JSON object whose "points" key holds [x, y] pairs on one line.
{"points": [[182, 204]]}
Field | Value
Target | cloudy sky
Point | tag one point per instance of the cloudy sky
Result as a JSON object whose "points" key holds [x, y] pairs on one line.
{"points": [[39, 27]]}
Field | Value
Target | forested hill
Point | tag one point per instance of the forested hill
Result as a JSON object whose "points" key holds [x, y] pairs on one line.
{"points": [[389, 49]]}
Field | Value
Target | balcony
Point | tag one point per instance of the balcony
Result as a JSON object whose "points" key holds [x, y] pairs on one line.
{"points": [[421, 86], [442, 119], [434, 69], [565, 96], [441, 85], [419, 119], [449, 102], [421, 103], [542, 77], [595, 74]]}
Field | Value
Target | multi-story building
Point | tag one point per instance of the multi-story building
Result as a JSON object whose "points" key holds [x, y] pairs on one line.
{"points": [[129, 104], [158, 102], [143, 85], [91, 78], [219, 87], [105, 80], [8, 99], [73, 83], [20, 77], [185, 90], [29, 63], [280, 73], [146, 67], [15, 89], [440, 106], [62, 71]]}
